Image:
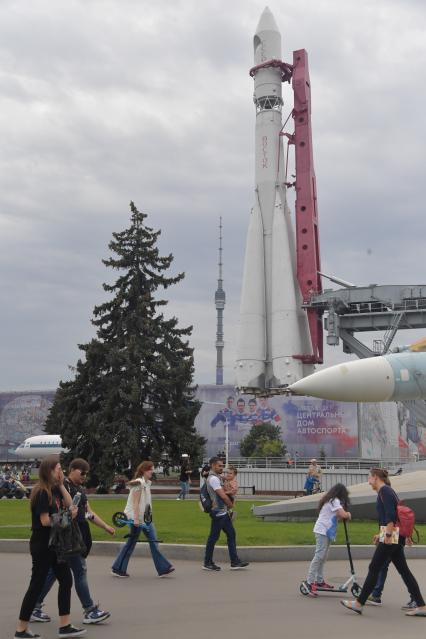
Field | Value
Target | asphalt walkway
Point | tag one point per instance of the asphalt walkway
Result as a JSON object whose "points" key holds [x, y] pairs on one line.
{"points": [[257, 603]]}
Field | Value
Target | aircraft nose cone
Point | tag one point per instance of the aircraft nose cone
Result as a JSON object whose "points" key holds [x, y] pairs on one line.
{"points": [[368, 380]]}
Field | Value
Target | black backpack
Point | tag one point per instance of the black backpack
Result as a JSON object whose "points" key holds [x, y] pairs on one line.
{"points": [[206, 502]]}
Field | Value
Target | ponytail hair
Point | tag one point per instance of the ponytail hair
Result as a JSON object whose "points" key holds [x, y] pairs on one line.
{"points": [[382, 474], [140, 470]]}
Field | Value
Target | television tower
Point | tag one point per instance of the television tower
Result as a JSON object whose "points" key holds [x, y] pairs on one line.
{"points": [[219, 300]]}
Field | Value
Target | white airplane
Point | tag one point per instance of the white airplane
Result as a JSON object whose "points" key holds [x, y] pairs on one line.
{"points": [[40, 446]]}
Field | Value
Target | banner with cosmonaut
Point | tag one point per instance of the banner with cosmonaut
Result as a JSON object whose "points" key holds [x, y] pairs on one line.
{"points": [[309, 427]]}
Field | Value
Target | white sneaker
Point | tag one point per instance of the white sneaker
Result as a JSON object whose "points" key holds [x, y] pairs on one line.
{"points": [[96, 616], [39, 616]]}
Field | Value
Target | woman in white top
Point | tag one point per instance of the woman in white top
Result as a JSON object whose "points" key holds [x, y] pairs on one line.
{"points": [[139, 509], [332, 507]]}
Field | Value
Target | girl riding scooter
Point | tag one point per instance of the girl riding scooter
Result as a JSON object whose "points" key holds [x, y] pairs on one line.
{"points": [[332, 507]]}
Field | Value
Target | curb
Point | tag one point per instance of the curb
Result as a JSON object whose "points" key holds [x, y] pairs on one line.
{"points": [[248, 553]]}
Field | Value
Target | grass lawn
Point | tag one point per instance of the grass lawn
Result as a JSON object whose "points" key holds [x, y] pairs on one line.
{"points": [[183, 522]]}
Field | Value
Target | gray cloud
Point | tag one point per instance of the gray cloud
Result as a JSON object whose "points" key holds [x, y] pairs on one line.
{"points": [[103, 101]]}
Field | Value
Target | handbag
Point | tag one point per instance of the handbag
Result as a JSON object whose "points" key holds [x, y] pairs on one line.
{"points": [[65, 537]]}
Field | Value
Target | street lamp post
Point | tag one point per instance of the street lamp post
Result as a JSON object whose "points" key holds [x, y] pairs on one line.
{"points": [[226, 441]]}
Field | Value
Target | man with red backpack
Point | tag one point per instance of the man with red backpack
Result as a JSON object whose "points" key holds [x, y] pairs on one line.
{"points": [[392, 515]]}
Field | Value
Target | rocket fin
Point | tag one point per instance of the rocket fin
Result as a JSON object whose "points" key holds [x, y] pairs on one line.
{"points": [[251, 341], [286, 337]]}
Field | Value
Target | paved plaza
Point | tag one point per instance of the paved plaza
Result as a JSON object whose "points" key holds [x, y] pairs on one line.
{"points": [[258, 603]]}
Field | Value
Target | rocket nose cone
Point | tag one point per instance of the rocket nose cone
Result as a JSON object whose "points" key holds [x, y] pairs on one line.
{"points": [[267, 22], [267, 39]]}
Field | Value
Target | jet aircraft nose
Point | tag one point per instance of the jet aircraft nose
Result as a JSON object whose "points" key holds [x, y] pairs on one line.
{"points": [[366, 380]]}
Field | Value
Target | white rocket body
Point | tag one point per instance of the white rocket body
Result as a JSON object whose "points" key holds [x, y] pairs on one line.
{"points": [[273, 328]]}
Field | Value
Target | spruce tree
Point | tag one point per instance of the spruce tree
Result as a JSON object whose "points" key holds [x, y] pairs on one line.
{"points": [[132, 397]]}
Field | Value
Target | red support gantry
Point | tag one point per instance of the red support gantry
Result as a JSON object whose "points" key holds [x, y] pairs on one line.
{"points": [[307, 237]]}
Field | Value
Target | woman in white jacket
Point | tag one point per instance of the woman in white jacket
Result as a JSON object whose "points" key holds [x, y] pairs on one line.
{"points": [[139, 508]]}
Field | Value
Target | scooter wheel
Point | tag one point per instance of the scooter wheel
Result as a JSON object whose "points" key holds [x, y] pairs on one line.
{"points": [[303, 589], [119, 519], [356, 590]]}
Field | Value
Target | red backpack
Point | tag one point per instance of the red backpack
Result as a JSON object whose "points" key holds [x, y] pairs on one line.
{"points": [[405, 520]]}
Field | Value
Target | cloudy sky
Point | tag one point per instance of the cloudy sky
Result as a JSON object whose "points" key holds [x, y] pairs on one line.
{"points": [[104, 101]]}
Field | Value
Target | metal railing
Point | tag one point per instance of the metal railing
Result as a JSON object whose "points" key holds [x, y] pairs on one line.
{"points": [[285, 481], [336, 463]]}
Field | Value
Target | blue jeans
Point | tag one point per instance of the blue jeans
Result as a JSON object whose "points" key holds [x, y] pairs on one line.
{"points": [[79, 570], [217, 525], [161, 564], [380, 583], [184, 489]]}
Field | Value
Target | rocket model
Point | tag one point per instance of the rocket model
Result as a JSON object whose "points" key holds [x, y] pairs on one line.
{"points": [[399, 376], [273, 329]]}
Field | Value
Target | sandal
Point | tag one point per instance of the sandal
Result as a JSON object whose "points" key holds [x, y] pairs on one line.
{"points": [[350, 605]]}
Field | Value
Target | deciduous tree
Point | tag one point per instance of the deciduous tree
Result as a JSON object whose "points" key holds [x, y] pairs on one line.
{"points": [[263, 440]]}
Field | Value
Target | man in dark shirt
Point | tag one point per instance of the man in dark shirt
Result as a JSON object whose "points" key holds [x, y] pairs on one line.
{"points": [[77, 474]]}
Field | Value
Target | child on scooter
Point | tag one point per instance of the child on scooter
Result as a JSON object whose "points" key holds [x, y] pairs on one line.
{"points": [[333, 507]]}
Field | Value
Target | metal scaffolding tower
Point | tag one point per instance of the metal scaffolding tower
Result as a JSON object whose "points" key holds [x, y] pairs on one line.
{"points": [[356, 309]]}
